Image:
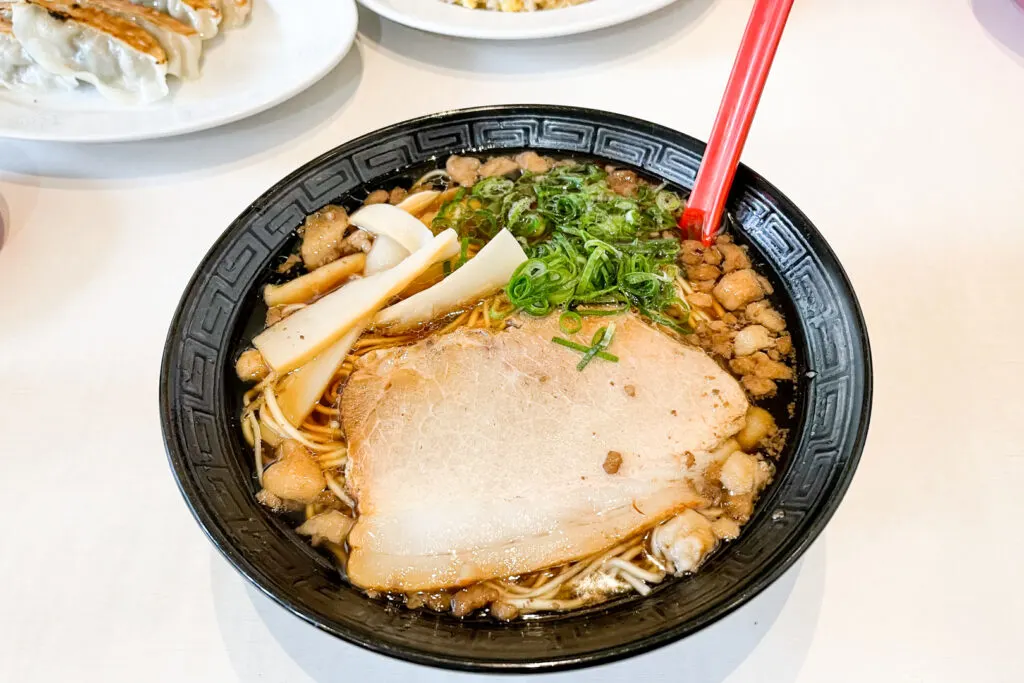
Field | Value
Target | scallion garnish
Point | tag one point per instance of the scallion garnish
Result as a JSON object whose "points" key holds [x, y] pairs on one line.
{"points": [[570, 323], [601, 340], [588, 246], [592, 251], [463, 253], [583, 349], [497, 313], [600, 312], [668, 201]]}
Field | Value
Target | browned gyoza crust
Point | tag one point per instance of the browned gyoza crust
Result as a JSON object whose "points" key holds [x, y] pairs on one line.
{"points": [[115, 27], [128, 10], [478, 455]]}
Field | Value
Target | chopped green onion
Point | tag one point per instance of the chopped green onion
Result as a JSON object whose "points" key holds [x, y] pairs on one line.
{"points": [[601, 340], [463, 253], [570, 323], [493, 187], [600, 312], [668, 201], [583, 349], [588, 247], [495, 314]]}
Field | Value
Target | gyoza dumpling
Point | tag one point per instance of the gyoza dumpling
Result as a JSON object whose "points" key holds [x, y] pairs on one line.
{"points": [[202, 15], [180, 41], [125, 63], [18, 71], [235, 12]]}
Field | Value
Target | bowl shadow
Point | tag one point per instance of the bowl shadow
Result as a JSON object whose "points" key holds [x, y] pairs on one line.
{"points": [[266, 642], [523, 58]]}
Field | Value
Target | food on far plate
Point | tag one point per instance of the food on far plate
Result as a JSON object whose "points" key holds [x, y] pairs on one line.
{"points": [[235, 12], [509, 387], [515, 5], [181, 43], [204, 16], [122, 61], [126, 49], [18, 71]]}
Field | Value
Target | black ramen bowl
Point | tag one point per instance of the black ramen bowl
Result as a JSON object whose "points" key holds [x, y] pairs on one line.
{"points": [[220, 310]]}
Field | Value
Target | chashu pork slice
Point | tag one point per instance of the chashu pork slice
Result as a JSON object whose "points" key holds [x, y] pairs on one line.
{"points": [[479, 455]]}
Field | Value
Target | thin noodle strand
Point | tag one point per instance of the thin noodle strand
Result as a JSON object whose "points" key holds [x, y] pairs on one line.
{"points": [[455, 324], [286, 426], [638, 585], [633, 570], [254, 424], [338, 490]]}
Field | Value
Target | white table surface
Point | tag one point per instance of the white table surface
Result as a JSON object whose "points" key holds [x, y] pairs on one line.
{"points": [[897, 125]]}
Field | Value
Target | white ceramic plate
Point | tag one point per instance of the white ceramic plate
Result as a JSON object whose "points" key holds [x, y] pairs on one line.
{"points": [[439, 17], [286, 47]]}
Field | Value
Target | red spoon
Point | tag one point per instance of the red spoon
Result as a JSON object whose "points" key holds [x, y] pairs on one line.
{"points": [[703, 213]]}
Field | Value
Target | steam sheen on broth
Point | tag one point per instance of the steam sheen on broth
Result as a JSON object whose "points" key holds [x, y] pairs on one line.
{"points": [[511, 387]]}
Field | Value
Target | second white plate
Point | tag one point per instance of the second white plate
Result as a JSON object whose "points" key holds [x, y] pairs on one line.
{"points": [[285, 48], [439, 17]]}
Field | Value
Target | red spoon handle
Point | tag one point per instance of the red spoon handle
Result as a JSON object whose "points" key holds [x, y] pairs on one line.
{"points": [[749, 73]]}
